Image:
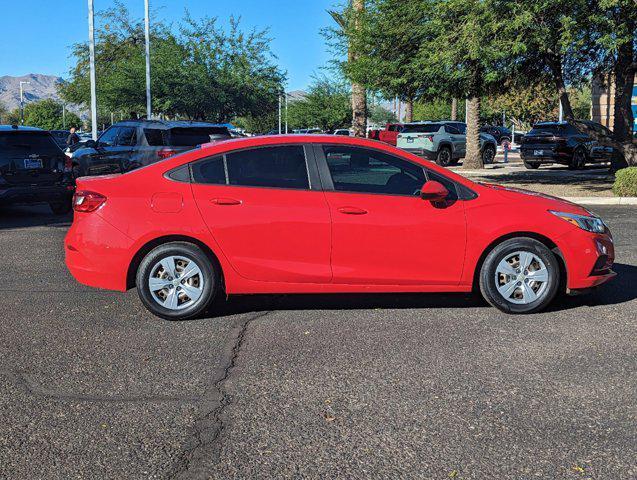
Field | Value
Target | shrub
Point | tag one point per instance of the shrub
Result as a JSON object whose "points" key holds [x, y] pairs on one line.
{"points": [[626, 182]]}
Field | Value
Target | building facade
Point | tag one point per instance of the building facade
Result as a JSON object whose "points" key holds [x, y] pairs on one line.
{"points": [[603, 101]]}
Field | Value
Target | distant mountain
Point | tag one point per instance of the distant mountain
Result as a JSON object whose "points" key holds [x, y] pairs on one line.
{"points": [[296, 95]]}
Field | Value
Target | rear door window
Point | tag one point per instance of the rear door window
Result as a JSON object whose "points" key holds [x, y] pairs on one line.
{"points": [[21, 143], [127, 137], [274, 167], [154, 137], [210, 171]]}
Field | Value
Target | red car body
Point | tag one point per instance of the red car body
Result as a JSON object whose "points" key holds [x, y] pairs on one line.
{"points": [[388, 135], [270, 240]]}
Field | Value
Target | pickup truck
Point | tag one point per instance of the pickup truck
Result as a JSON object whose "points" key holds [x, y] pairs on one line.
{"points": [[387, 135]]}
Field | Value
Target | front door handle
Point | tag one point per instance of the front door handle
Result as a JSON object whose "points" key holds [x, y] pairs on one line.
{"points": [[352, 211], [226, 201]]}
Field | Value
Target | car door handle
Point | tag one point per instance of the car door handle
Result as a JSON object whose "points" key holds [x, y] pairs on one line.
{"points": [[352, 211], [226, 201]]}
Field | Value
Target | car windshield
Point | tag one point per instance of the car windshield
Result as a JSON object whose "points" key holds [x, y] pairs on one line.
{"points": [[25, 143], [422, 128], [191, 136]]}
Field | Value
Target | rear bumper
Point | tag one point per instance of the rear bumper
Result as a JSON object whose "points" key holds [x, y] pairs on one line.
{"points": [[589, 259], [548, 156], [35, 194], [96, 253], [422, 152]]}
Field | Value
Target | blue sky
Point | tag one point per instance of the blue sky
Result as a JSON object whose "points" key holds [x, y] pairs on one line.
{"points": [[37, 34]]}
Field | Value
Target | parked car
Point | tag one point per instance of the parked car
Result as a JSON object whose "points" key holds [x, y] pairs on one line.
{"points": [[443, 142], [388, 135], [60, 137], [132, 144], [498, 132], [563, 143], [325, 214], [342, 131], [33, 169]]}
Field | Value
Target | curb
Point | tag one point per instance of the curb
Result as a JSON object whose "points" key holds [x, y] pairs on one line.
{"points": [[603, 200]]}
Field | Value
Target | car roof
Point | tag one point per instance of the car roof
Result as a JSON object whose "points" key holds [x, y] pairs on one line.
{"points": [[166, 124], [19, 128]]}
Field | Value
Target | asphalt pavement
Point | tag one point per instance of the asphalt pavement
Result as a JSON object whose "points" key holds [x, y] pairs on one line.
{"points": [[326, 386]]}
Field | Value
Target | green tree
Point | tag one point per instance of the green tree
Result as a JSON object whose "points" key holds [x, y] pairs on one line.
{"points": [[47, 114], [199, 70], [327, 106], [436, 110]]}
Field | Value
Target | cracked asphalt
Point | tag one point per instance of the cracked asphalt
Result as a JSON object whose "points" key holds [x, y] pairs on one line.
{"points": [[329, 386]]}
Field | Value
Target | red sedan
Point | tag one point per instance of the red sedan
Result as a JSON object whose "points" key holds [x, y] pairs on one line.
{"points": [[325, 214]]}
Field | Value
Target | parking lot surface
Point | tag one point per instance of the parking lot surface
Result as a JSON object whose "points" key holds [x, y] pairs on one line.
{"points": [[329, 386]]}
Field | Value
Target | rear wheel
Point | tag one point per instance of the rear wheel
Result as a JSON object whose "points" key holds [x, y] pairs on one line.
{"points": [[579, 159], [444, 157], [61, 208], [177, 281], [532, 165], [520, 275]]}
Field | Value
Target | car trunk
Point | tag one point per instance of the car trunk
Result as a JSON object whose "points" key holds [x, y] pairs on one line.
{"points": [[30, 158]]}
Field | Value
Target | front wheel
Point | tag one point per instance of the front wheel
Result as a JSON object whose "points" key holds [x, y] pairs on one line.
{"points": [[444, 157], [579, 159], [520, 275], [177, 281], [532, 165]]}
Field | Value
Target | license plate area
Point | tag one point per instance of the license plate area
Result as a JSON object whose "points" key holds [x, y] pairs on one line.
{"points": [[538, 153], [32, 163]]}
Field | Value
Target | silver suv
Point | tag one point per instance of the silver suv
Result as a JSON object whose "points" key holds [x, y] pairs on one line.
{"points": [[443, 142]]}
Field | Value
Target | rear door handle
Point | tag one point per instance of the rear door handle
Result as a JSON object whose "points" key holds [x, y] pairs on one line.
{"points": [[352, 211], [226, 201]]}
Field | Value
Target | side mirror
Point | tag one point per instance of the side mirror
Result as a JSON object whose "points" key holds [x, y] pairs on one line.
{"points": [[433, 191]]}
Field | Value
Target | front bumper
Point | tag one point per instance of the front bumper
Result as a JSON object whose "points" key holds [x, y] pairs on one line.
{"points": [[588, 257], [27, 194]]}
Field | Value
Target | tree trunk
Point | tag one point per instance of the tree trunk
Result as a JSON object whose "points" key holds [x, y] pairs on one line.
{"points": [[359, 94], [624, 81], [454, 109], [555, 64], [473, 158], [409, 110]]}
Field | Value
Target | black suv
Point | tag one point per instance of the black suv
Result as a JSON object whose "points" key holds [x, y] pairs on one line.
{"points": [[562, 142], [33, 169], [134, 143], [497, 132]]}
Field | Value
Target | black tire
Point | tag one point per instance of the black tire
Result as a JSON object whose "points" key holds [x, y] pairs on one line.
{"points": [[488, 154], [209, 269], [444, 157], [61, 208], [545, 293], [532, 165], [579, 159]]}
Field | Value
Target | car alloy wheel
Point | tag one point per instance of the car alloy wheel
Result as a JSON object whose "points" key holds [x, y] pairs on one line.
{"points": [[176, 282], [488, 155], [444, 157], [579, 159]]}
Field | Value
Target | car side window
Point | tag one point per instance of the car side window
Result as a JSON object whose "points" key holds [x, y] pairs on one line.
{"points": [[109, 136], [210, 171], [451, 129], [363, 170], [127, 137], [274, 167], [154, 137]]}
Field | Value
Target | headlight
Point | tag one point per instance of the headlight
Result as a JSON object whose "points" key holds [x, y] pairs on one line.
{"points": [[589, 223]]}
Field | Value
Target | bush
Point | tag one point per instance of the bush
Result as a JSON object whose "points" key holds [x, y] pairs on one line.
{"points": [[626, 182]]}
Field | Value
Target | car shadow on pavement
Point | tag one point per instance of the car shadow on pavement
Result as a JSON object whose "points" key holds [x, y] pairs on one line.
{"points": [[619, 290], [238, 304], [31, 216]]}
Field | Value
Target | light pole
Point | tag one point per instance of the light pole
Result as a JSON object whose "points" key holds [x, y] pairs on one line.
{"points": [[147, 31], [279, 113], [91, 47], [22, 101], [286, 113]]}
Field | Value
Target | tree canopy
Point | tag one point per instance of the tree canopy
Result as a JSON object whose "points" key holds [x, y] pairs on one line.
{"points": [[199, 70]]}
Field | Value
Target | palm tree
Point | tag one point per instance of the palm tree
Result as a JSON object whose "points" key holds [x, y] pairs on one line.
{"points": [[473, 158], [359, 93]]}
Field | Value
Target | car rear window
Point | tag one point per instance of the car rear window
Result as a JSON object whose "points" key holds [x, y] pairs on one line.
{"points": [[422, 128], [24, 143], [191, 136], [548, 129]]}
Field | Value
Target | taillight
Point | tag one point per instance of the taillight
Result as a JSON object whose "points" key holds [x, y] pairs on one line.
{"points": [[428, 137], [68, 164], [165, 153], [85, 202]]}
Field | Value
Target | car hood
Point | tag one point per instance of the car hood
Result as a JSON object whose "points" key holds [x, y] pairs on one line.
{"points": [[512, 194]]}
